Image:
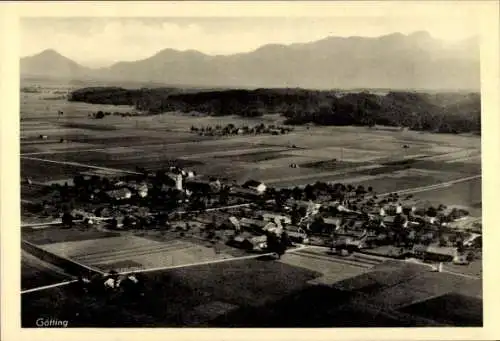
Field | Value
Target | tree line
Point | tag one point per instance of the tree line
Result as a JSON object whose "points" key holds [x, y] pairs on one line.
{"points": [[440, 112]]}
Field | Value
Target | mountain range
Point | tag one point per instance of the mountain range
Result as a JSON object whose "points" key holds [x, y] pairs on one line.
{"points": [[395, 61]]}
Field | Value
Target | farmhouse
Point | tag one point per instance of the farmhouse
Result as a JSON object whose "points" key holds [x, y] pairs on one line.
{"points": [[255, 186]]}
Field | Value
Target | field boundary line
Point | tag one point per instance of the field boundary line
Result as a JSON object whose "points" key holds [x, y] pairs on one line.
{"points": [[77, 164], [50, 223], [64, 151], [344, 171], [427, 298], [432, 187], [60, 284]]}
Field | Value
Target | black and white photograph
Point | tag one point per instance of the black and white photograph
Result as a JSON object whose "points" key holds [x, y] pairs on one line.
{"points": [[251, 171]]}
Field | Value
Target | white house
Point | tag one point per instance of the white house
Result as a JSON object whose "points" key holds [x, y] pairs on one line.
{"points": [[255, 186]]}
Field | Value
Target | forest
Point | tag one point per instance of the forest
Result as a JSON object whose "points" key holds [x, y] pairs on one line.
{"points": [[435, 112]]}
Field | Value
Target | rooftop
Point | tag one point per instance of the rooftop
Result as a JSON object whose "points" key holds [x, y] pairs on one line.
{"points": [[252, 183]]}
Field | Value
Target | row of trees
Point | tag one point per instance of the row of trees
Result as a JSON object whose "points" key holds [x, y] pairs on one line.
{"points": [[101, 114], [447, 113]]}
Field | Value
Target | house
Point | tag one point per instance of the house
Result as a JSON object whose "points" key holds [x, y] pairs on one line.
{"points": [[272, 227], [87, 217], [215, 185], [388, 221], [332, 223], [311, 207], [140, 189], [252, 223], [259, 242], [296, 234], [119, 184], [244, 192], [351, 233], [255, 186], [249, 242], [473, 239], [198, 185], [276, 217], [435, 253], [231, 223], [461, 259], [119, 194]]}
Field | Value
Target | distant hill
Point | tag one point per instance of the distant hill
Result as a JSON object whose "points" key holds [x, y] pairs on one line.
{"points": [[50, 63], [395, 61]]}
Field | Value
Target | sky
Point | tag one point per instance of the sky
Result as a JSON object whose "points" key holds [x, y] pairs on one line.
{"points": [[101, 41]]}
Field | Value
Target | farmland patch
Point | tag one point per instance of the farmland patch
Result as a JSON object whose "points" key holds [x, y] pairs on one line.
{"points": [[332, 164], [51, 235], [36, 273], [454, 309], [341, 153], [254, 157], [464, 194], [285, 161], [46, 171], [127, 159], [136, 252]]}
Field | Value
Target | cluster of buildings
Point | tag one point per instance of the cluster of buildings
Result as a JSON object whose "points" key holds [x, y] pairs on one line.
{"points": [[231, 129], [358, 222], [394, 229]]}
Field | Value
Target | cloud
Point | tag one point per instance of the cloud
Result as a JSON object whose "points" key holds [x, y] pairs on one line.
{"points": [[101, 40]]}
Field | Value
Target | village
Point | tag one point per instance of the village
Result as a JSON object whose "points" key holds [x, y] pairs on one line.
{"points": [[257, 218]]}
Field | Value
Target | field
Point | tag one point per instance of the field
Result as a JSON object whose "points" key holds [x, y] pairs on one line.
{"points": [[36, 273], [56, 234], [107, 251], [129, 253], [459, 310], [258, 292]]}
